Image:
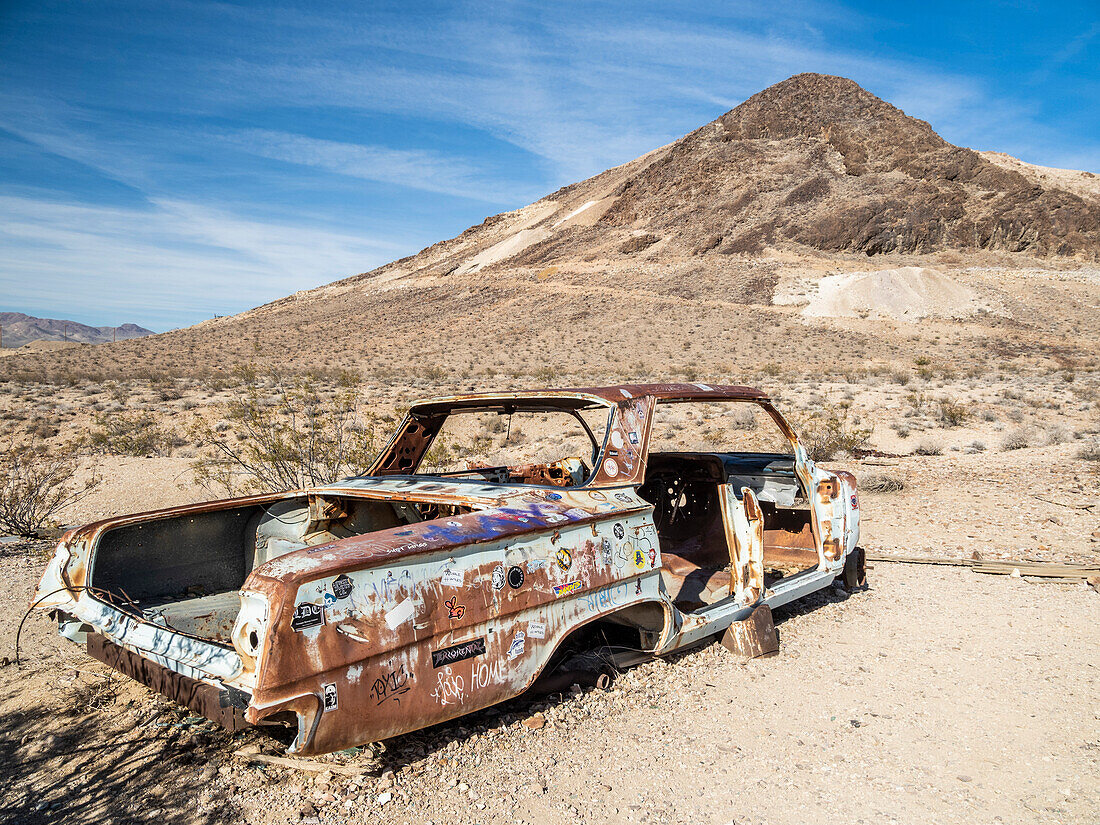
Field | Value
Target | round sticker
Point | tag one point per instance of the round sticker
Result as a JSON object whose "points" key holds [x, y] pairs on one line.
{"points": [[565, 559], [639, 559], [596, 495], [618, 530], [498, 577], [617, 440], [611, 467], [515, 576]]}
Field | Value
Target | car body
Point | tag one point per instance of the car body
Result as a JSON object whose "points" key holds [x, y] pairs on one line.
{"points": [[384, 603]]}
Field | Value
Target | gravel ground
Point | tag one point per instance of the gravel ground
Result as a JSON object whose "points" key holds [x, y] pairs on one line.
{"points": [[936, 696]]}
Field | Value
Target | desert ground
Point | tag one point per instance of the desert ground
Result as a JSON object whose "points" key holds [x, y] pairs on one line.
{"points": [[937, 695]]}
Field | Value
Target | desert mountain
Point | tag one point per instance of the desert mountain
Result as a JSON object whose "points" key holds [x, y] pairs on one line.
{"points": [[20, 329], [709, 255]]}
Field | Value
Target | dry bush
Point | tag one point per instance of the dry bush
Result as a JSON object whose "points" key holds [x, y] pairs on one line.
{"points": [[1089, 451], [133, 434], [1057, 434], [1018, 439], [952, 413], [929, 446], [283, 434], [34, 485], [881, 483], [828, 433]]}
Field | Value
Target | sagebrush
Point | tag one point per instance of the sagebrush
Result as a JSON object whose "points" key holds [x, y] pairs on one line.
{"points": [[286, 432], [35, 484], [829, 432]]}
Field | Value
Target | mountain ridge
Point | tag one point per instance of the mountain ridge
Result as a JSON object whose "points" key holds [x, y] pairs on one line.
{"points": [[809, 176], [20, 329]]}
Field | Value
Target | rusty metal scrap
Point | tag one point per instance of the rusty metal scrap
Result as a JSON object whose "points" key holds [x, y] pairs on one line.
{"points": [[377, 605]]}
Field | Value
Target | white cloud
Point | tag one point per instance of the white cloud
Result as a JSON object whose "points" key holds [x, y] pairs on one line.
{"points": [[417, 169], [177, 259]]}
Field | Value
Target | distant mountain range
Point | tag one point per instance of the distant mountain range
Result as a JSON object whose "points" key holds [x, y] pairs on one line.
{"points": [[19, 329]]}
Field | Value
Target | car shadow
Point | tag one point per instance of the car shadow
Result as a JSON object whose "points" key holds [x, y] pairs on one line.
{"points": [[82, 763]]}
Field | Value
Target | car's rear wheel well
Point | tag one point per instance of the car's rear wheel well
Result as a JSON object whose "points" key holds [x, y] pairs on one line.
{"points": [[603, 644]]}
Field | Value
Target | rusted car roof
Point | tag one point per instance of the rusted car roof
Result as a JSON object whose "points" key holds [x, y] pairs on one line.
{"points": [[609, 394]]}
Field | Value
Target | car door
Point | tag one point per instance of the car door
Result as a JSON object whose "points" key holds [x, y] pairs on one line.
{"points": [[743, 522]]}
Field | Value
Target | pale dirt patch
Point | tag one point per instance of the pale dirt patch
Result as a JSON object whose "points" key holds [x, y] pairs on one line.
{"points": [[904, 294]]}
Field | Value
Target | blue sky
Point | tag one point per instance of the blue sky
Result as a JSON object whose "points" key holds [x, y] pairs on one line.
{"points": [[162, 162]]}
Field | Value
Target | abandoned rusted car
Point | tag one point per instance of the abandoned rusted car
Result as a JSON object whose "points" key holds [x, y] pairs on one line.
{"points": [[439, 584]]}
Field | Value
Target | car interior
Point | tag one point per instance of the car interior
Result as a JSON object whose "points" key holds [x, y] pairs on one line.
{"points": [[683, 487]]}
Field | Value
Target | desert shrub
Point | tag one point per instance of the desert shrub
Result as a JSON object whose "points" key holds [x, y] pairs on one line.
{"points": [[1057, 434], [283, 433], [741, 418], [1089, 451], [929, 446], [1017, 439], [133, 434], [34, 485], [882, 483], [976, 446], [952, 413], [828, 432]]}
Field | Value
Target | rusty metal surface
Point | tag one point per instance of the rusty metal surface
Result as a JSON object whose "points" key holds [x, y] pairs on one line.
{"points": [[206, 700], [752, 637], [411, 622]]}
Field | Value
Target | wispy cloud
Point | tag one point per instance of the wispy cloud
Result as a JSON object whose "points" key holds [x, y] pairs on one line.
{"points": [[429, 171], [176, 258]]}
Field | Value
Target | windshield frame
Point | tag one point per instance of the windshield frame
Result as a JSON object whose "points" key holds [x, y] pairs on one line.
{"points": [[406, 449]]}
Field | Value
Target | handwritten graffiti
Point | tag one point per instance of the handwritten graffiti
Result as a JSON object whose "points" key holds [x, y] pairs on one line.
{"points": [[454, 609], [483, 674], [390, 686], [450, 687], [391, 586], [606, 597]]}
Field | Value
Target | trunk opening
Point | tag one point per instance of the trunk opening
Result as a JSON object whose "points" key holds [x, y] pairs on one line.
{"points": [[185, 572]]}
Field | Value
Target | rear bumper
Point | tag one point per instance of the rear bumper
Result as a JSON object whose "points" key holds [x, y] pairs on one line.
{"points": [[226, 707]]}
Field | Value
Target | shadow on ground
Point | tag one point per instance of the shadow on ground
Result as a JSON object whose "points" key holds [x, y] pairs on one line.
{"points": [[86, 765]]}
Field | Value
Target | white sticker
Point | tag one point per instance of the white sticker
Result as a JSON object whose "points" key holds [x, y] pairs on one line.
{"points": [[536, 630], [451, 578], [329, 692], [576, 512], [400, 614], [616, 439], [518, 645]]}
